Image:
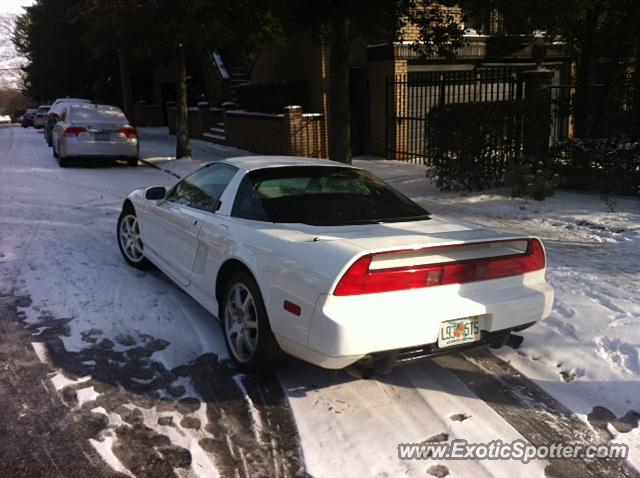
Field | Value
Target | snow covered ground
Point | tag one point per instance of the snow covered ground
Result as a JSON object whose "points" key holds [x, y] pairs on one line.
{"points": [[58, 247]]}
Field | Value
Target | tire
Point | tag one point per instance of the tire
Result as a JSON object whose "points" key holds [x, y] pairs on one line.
{"points": [[63, 162], [129, 230], [132, 162], [236, 313]]}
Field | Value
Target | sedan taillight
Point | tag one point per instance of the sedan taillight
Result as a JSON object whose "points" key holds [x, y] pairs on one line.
{"points": [[360, 278], [128, 132], [74, 131]]}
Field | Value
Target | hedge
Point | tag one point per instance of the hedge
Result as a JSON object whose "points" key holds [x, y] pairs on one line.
{"points": [[604, 165], [470, 146]]}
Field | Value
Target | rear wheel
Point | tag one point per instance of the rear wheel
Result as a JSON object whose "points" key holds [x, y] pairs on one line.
{"points": [[247, 332], [132, 162], [129, 240]]}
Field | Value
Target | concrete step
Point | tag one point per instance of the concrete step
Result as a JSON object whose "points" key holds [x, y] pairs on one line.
{"points": [[217, 131], [214, 138]]}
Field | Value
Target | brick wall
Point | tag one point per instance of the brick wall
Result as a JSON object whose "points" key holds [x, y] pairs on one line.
{"points": [[411, 32], [290, 133], [303, 58], [147, 115]]}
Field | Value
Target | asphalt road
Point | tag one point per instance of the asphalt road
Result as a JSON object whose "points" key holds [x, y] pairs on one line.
{"points": [[46, 431], [118, 406]]}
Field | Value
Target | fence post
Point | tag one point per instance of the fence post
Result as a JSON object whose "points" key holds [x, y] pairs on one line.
{"points": [[537, 131]]}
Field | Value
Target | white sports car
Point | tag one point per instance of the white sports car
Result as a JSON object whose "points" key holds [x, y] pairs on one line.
{"points": [[329, 264]]}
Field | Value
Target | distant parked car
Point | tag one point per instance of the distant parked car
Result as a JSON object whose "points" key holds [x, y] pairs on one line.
{"points": [[40, 118], [56, 110], [5, 119], [91, 130], [27, 117]]}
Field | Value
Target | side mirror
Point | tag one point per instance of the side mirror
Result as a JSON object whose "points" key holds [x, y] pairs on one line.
{"points": [[155, 193]]}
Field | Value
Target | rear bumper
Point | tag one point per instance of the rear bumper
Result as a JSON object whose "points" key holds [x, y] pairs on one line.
{"points": [[344, 330], [71, 147], [384, 361]]}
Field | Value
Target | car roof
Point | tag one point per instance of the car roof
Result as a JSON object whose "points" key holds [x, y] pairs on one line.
{"points": [[42, 107], [59, 104], [94, 106], [71, 100], [251, 163]]}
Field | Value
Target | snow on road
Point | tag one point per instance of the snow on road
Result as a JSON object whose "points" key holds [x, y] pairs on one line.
{"points": [[58, 246]]}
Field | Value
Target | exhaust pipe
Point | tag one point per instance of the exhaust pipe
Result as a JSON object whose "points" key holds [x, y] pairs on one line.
{"points": [[510, 340], [359, 371], [514, 341]]}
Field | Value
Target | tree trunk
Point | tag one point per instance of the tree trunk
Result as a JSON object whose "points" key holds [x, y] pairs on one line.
{"points": [[125, 85], [339, 109], [183, 147], [636, 95], [583, 76]]}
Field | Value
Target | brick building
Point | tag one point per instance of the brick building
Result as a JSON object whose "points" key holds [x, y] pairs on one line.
{"points": [[305, 59]]}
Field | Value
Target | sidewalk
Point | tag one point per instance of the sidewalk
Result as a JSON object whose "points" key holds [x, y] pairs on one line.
{"points": [[158, 149]]}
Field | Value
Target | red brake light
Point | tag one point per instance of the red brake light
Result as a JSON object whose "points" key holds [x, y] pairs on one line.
{"points": [[74, 131], [54, 116], [359, 279], [128, 132]]}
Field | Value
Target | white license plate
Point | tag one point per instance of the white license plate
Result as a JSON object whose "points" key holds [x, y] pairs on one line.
{"points": [[459, 331]]}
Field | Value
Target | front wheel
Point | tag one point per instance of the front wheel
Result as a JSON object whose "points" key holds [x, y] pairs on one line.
{"points": [[247, 332], [129, 240]]}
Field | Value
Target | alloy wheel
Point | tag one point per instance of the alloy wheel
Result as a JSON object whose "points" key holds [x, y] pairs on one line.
{"points": [[241, 322], [130, 238]]}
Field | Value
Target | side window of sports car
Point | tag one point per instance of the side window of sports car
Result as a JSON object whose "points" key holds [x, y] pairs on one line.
{"points": [[203, 189]]}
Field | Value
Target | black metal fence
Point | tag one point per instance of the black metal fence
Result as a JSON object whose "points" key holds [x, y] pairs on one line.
{"points": [[610, 112], [410, 99]]}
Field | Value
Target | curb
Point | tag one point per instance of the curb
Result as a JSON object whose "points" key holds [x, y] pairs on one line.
{"points": [[149, 163]]}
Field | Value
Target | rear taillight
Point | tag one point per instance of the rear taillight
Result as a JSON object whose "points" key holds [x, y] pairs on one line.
{"points": [[53, 117], [361, 279], [128, 132], [74, 131]]}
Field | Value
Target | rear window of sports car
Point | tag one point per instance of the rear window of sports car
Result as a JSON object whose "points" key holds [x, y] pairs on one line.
{"points": [[321, 196]]}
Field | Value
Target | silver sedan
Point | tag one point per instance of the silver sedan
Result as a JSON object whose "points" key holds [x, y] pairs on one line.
{"points": [[94, 131]]}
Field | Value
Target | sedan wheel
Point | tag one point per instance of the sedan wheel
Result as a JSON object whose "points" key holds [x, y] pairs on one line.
{"points": [[129, 240], [250, 341]]}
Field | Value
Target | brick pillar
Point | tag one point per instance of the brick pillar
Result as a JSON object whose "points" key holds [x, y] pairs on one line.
{"points": [[537, 121], [194, 122], [293, 125], [205, 119], [536, 84]]}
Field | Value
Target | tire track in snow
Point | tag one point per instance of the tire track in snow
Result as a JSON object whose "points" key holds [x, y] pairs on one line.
{"points": [[536, 415]]}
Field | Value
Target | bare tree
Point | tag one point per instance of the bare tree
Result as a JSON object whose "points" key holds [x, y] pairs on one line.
{"points": [[10, 60]]}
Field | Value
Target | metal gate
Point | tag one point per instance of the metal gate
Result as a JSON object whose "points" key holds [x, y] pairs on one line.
{"points": [[410, 98]]}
